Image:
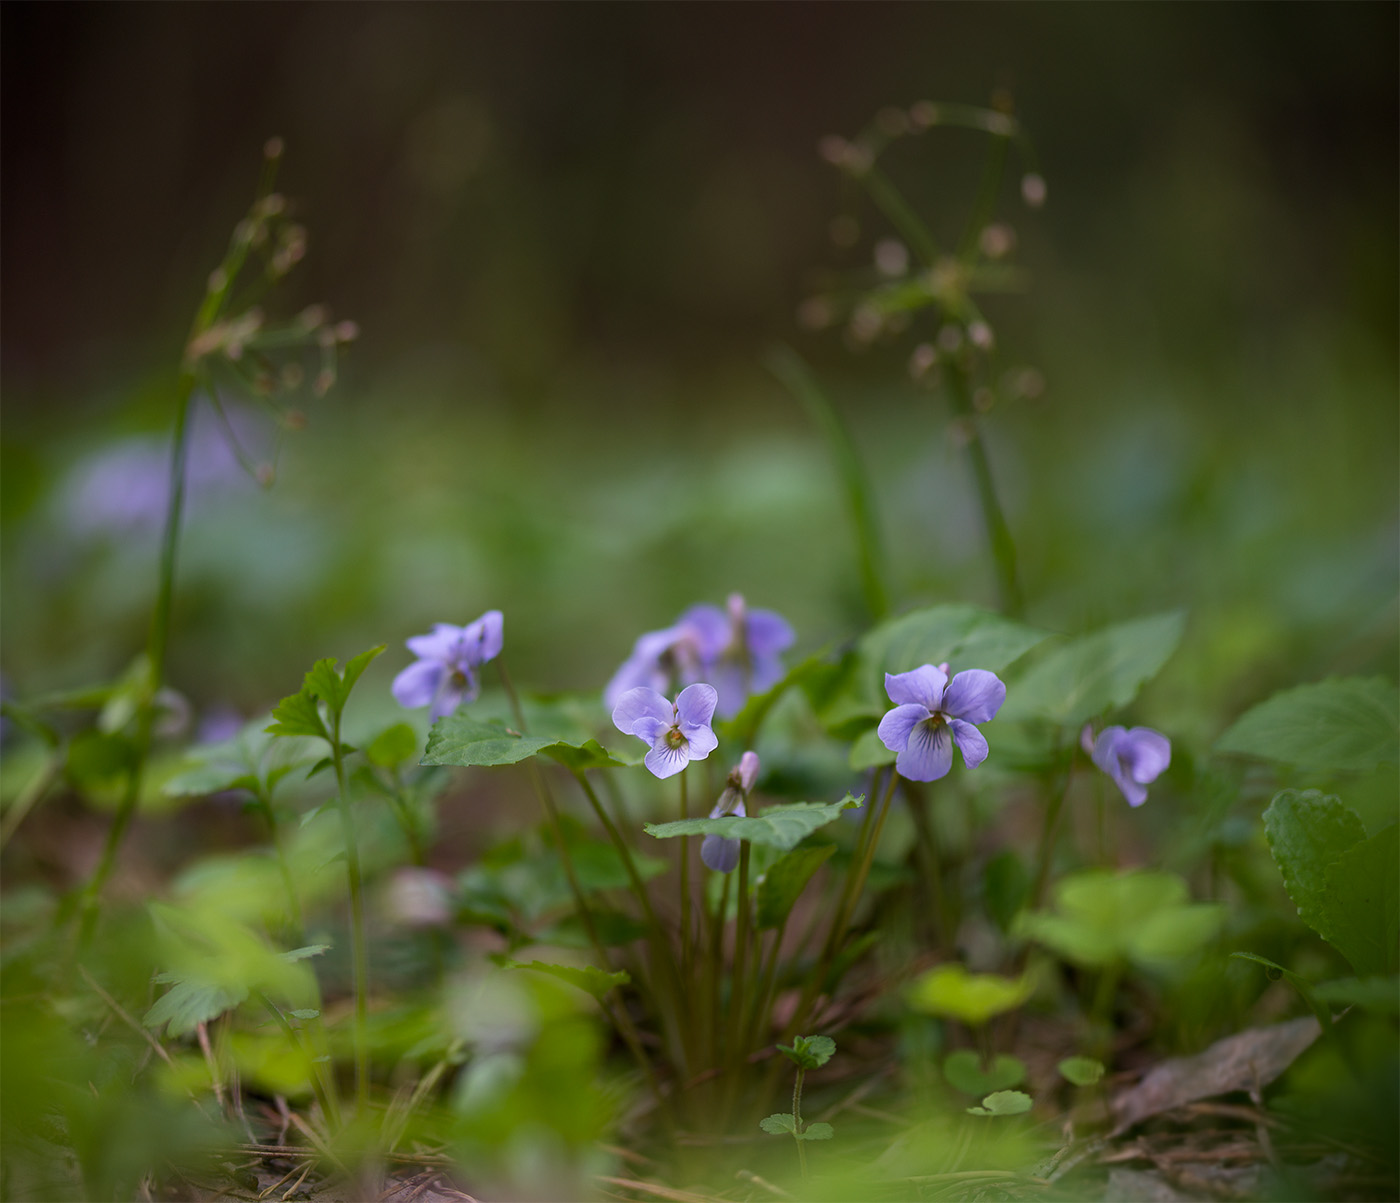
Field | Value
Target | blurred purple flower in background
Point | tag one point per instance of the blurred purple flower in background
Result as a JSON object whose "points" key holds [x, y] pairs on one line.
{"points": [[931, 715], [677, 733], [124, 487], [1132, 757], [737, 651], [444, 674], [717, 852]]}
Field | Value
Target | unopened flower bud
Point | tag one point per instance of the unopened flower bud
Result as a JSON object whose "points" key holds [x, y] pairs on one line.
{"points": [[747, 770], [324, 381], [997, 240], [891, 257], [1033, 189], [923, 113], [313, 317], [950, 339], [273, 148], [273, 204], [922, 360], [346, 332], [980, 335], [218, 280]]}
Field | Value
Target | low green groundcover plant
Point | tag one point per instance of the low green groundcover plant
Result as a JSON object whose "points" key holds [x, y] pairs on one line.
{"points": [[924, 840]]}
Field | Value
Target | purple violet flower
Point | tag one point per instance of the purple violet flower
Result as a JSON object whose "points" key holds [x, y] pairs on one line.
{"points": [[1133, 758], [736, 650], [722, 854], [931, 715], [444, 674], [658, 661], [677, 733]]}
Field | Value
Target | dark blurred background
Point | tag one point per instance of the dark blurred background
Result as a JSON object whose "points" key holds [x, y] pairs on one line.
{"points": [[569, 233]]}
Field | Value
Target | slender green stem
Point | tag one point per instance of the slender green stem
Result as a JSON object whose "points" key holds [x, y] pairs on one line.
{"points": [[889, 201], [735, 1051], [930, 868], [264, 803], [714, 970], [999, 540], [1101, 1012], [797, 1120], [322, 1082], [514, 698], [855, 883], [686, 956], [620, 1019], [157, 641], [1047, 842], [793, 372], [158, 637], [985, 204], [359, 947]]}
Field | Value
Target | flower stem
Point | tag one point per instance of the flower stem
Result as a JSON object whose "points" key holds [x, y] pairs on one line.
{"points": [[1047, 841], [157, 640], [685, 889], [999, 540], [797, 1120], [359, 948], [661, 949]]}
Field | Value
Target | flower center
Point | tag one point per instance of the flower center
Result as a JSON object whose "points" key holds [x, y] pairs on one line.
{"points": [[674, 738]]}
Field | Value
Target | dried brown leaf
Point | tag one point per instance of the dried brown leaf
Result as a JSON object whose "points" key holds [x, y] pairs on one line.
{"points": [[1248, 1060]]}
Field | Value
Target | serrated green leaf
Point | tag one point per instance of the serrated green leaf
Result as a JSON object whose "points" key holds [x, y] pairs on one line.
{"points": [[354, 667], [853, 694], [587, 978], [812, 1052], [965, 636], [817, 1131], [590, 754], [1094, 673], [1003, 1102], [1348, 724], [1080, 1071], [1378, 994], [392, 746], [971, 998], [463, 741], [782, 827], [1307, 831], [297, 714], [201, 779], [307, 950], [323, 682], [963, 1070], [187, 1004], [780, 887], [778, 1124], [1360, 907]]}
